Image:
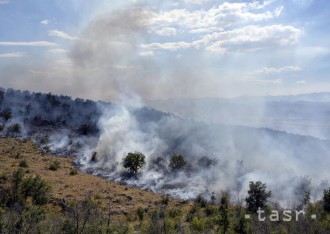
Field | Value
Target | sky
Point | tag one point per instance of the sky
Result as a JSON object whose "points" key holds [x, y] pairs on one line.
{"points": [[109, 49]]}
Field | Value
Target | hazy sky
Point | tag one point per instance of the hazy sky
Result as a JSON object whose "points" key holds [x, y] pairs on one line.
{"points": [[161, 49]]}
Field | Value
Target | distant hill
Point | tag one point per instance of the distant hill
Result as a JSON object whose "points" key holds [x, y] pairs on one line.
{"points": [[305, 114]]}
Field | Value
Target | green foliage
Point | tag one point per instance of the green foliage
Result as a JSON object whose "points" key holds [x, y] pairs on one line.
{"points": [[140, 214], [224, 213], [73, 172], [200, 201], [174, 213], [177, 162], [326, 200], [54, 166], [18, 177], [198, 224], [134, 162], [165, 200], [37, 189], [82, 216], [257, 196]]}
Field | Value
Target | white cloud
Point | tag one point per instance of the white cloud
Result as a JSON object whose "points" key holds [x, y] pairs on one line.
{"points": [[274, 70], [45, 22], [30, 43], [252, 38], [197, 1], [223, 15], [166, 31], [301, 82], [249, 38], [58, 51], [173, 46], [12, 55], [62, 35], [4, 1], [147, 53]]}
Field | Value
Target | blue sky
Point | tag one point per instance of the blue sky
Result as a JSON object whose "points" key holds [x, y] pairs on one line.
{"points": [[162, 49]]}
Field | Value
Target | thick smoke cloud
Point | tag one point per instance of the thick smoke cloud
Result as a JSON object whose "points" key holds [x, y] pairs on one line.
{"points": [[108, 58]]}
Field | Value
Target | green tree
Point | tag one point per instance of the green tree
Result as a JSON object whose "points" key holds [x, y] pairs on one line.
{"points": [[134, 162], [36, 188], [224, 213], [258, 196], [326, 200], [177, 162]]}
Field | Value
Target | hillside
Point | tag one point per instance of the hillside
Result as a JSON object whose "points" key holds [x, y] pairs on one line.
{"points": [[120, 199], [82, 203]]}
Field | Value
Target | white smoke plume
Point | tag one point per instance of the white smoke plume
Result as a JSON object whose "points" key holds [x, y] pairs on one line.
{"points": [[109, 52]]}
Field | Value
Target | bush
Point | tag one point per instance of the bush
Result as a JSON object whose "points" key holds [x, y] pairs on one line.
{"points": [[18, 177], [73, 172], [134, 162], [54, 166], [177, 162], [257, 197], [23, 163], [174, 213], [201, 201], [37, 189]]}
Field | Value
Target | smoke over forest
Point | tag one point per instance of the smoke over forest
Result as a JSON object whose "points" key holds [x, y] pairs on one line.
{"points": [[218, 157]]}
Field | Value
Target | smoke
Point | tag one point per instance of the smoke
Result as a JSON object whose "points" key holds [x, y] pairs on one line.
{"points": [[108, 59]]}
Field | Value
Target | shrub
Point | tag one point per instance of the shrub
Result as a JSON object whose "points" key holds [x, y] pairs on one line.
{"points": [[73, 172], [140, 214], [174, 213], [165, 200], [23, 163], [18, 177], [36, 188], [257, 197], [54, 166], [177, 162], [201, 201], [134, 162]]}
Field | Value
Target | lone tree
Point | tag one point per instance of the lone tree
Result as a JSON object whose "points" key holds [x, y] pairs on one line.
{"points": [[258, 196], [177, 162], [134, 162]]}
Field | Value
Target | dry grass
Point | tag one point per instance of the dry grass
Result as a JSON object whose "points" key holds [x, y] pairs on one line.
{"points": [[116, 198]]}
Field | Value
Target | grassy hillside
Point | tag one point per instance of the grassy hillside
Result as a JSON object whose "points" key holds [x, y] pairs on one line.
{"points": [[82, 203], [120, 199]]}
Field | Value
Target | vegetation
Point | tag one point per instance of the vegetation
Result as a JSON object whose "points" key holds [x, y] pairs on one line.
{"points": [[54, 166], [134, 162], [177, 162], [326, 200], [258, 196], [44, 201]]}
